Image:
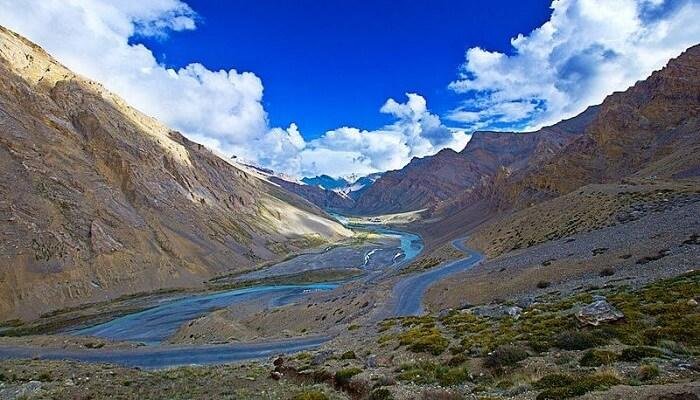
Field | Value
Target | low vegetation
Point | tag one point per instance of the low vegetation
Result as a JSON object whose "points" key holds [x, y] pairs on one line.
{"points": [[661, 321]]}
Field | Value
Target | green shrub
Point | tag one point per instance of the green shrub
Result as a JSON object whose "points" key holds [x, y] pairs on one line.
{"points": [[596, 358], [446, 376], [343, 376], [638, 353], [310, 395], [564, 386], [426, 372], [554, 380], [424, 340], [348, 355], [647, 372], [543, 284], [381, 394], [505, 356], [577, 340]]}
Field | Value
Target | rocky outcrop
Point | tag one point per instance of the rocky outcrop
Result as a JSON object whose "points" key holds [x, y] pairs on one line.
{"points": [[599, 312], [651, 130], [98, 200]]}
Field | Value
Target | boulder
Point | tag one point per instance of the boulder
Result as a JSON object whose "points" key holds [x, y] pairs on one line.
{"points": [[598, 312], [371, 361], [514, 311], [276, 375]]}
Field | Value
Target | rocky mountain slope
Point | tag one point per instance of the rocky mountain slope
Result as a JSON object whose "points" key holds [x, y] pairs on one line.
{"points": [[426, 182], [98, 200], [651, 130]]}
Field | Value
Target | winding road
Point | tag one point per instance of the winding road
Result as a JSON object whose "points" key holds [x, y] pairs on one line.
{"points": [[406, 299], [408, 293]]}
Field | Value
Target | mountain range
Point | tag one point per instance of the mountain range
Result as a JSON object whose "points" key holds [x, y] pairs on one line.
{"points": [[100, 200]]}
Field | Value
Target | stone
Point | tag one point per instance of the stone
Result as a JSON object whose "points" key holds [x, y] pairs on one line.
{"points": [[692, 302], [371, 361], [321, 357], [513, 311], [466, 306], [444, 313], [277, 362], [598, 312], [276, 375], [525, 302]]}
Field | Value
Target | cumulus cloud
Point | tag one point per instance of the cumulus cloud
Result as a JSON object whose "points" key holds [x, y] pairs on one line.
{"points": [[586, 50], [220, 109], [415, 133]]}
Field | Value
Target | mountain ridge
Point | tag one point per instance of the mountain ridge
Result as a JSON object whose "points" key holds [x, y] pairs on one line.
{"points": [[100, 200]]}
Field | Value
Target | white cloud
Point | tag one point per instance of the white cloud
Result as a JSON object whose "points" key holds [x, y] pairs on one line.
{"points": [[586, 50], [220, 109], [416, 133]]}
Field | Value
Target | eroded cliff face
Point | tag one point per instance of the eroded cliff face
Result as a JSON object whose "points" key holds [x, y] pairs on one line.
{"points": [[98, 200], [651, 130]]}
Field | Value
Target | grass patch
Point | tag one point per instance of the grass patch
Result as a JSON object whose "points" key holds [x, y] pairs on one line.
{"points": [[424, 340], [310, 395], [381, 394], [638, 353], [563, 386], [425, 372], [647, 372], [578, 340], [505, 356], [343, 376], [596, 358]]}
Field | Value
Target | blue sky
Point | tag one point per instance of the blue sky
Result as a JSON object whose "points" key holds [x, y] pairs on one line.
{"points": [[351, 88], [327, 64]]}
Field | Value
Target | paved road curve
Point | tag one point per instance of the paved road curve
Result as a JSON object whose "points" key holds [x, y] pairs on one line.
{"points": [[407, 296], [408, 293]]}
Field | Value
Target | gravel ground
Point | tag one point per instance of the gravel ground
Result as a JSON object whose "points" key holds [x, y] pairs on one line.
{"points": [[655, 243]]}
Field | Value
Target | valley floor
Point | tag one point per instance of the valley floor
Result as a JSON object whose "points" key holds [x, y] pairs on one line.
{"points": [[512, 326]]}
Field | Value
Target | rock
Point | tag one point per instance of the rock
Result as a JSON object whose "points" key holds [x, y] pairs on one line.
{"points": [[371, 361], [525, 302], [277, 362], [321, 357], [692, 302], [276, 375], [466, 306], [444, 313], [514, 311], [600, 311]]}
